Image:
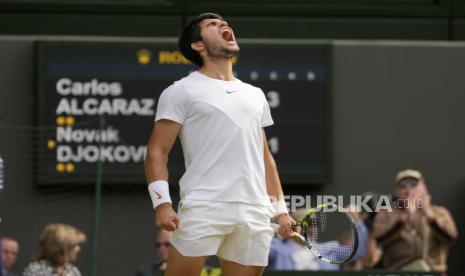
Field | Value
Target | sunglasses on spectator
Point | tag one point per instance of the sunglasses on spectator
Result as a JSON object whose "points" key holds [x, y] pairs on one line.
{"points": [[160, 244], [412, 183]]}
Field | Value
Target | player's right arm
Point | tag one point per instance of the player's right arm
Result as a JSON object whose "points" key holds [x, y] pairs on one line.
{"points": [[161, 141]]}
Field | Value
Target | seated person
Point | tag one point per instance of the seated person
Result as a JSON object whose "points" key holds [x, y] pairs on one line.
{"points": [[9, 251], [162, 245], [417, 234], [58, 248]]}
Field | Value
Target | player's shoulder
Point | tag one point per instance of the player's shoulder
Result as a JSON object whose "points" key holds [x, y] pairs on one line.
{"points": [[254, 89], [191, 77], [184, 84], [176, 88], [250, 86]]}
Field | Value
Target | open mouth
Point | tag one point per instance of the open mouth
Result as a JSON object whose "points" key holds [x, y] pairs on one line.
{"points": [[227, 35]]}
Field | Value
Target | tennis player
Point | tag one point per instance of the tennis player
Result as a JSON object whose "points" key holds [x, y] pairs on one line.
{"points": [[231, 188]]}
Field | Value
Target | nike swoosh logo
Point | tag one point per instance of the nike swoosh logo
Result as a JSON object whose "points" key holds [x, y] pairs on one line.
{"points": [[159, 195], [230, 91]]}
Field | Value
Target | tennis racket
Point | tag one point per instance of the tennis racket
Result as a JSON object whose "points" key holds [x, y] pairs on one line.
{"points": [[329, 232]]}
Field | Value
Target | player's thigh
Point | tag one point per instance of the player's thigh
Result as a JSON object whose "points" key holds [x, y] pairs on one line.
{"points": [[249, 244], [230, 268], [183, 265]]}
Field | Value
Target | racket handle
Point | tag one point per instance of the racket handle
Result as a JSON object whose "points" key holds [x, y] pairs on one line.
{"points": [[295, 224], [298, 237], [294, 235]]}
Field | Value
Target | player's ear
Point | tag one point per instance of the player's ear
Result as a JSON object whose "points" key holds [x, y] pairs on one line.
{"points": [[197, 46]]}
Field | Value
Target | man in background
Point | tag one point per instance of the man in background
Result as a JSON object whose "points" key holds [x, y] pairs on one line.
{"points": [[10, 251], [162, 245], [282, 253], [416, 235]]}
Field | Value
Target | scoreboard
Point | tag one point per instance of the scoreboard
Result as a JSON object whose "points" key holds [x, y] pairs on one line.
{"points": [[98, 101]]}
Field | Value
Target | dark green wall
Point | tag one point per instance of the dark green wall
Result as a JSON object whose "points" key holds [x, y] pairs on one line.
{"points": [[337, 19]]}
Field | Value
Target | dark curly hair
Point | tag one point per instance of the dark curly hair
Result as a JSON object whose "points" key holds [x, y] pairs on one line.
{"points": [[190, 34]]}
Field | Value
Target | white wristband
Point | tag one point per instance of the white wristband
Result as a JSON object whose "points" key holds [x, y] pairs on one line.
{"points": [[159, 192], [279, 207]]}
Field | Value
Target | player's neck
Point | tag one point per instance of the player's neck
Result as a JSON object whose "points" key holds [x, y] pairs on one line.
{"points": [[218, 69]]}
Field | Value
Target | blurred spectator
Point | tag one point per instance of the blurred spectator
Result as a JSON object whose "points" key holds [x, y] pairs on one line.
{"points": [[10, 251], [416, 235], [303, 258], [162, 245], [281, 254], [59, 245], [373, 252], [357, 261]]}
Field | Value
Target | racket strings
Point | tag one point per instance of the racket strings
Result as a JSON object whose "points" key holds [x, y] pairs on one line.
{"points": [[332, 235]]}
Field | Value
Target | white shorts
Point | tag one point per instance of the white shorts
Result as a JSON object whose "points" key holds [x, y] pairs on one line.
{"points": [[236, 232]]}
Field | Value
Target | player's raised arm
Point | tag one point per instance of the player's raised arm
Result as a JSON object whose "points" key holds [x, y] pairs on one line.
{"points": [[161, 141], [275, 191]]}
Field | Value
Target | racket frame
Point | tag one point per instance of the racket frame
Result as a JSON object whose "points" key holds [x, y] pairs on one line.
{"points": [[304, 224]]}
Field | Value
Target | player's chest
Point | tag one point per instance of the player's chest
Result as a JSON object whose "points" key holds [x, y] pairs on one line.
{"points": [[232, 101]]}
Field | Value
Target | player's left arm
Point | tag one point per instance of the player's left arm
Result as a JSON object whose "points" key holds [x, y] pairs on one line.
{"points": [[275, 191]]}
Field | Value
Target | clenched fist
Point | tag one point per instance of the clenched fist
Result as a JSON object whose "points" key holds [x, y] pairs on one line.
{"points": [[285, 226], [166, 218]]}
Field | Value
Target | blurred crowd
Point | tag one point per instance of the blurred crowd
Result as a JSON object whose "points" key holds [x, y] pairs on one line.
{"points": [[58, 248], [414, 236]]}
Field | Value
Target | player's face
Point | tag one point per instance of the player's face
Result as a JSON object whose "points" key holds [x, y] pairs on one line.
{"points": [[10, 250], [218, 38]]}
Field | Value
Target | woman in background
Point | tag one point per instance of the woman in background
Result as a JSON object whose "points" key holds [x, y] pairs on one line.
{"points": [[59, 246]]}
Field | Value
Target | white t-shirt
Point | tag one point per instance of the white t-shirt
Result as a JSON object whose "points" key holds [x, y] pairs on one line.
{"points": [[221, 137]]}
